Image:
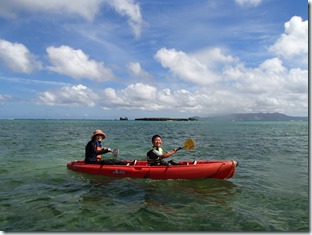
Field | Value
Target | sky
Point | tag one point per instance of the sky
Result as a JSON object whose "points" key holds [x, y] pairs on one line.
{"points": [[105, 59]]}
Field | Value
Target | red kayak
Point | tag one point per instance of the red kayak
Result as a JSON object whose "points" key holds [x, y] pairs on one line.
{"points": [[221, 169]]}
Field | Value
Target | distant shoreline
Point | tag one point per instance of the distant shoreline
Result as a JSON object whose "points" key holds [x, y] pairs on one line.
{"points": [[165, 119]]}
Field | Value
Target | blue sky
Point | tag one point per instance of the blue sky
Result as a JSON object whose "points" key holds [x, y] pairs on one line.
{"points": [[138, 58]]}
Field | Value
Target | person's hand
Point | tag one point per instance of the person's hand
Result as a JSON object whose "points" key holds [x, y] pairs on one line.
{"points": [[106, 150], [175, 150]]}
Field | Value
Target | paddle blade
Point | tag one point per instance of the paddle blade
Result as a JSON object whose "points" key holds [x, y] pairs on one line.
{"points": [[115, 152], [189, 144]]}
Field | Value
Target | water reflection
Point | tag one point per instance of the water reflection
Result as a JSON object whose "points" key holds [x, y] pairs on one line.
{"points": [[163, 191]]}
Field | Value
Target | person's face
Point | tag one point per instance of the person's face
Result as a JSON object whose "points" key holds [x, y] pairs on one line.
{"points": [[99, 137], [157, 142]]}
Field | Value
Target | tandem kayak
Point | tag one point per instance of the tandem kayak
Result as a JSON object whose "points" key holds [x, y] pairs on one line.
{"points": [[221, 169]]}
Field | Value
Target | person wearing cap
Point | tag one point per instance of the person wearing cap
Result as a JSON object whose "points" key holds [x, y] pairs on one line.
{"points": [[95, 149], [156, 155]]}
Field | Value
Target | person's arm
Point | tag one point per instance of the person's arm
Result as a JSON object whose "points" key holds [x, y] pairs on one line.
{"points": [[104, 150], [168, 154], [92, 148]]}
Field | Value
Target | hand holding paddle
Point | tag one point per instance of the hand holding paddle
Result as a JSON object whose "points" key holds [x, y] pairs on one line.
{"points": [[115, 152]]}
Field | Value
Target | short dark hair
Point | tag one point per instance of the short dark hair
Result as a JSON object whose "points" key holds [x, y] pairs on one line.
{"points": [[154, 137]]}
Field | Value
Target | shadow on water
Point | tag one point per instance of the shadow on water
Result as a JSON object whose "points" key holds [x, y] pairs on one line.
{"points": [[141, 204], [201, 187], [163, 191]]}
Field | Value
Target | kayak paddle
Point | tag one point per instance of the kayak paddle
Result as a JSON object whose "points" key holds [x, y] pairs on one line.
{"points": [[188, 144], [115, 152]]}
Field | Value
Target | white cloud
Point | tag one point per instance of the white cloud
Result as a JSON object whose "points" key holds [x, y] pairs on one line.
{"points": [[75, 63], [141, 96], [293, 43], [270, 87], [148, 98], [4, 98], [82, 8], [185, 66], [297, 81], [270, 78], [17, 57], [214, 58], [86, 9], [137, 71], [132, 10], [252, 3], [135, 68], [140, 91], [273, 66], [78, 95], [135, 96]]}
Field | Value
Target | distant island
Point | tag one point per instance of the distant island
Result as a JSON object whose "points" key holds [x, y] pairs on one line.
{"points": [[257, 117], [166, 119]]}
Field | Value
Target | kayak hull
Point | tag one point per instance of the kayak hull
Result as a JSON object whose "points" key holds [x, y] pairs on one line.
{"points": [[221, 169]]}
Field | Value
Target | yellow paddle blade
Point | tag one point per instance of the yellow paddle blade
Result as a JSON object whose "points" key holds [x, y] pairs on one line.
{"points": [[189, 144]]}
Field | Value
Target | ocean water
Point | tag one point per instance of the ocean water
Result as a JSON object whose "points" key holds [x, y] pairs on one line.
{"points": [[269, 192]]}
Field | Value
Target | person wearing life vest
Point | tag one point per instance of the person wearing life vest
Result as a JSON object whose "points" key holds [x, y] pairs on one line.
{"points": [[156, 155], [94, 148]]}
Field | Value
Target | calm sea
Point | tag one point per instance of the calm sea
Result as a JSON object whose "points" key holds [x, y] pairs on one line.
{"points": [[269, 192]]}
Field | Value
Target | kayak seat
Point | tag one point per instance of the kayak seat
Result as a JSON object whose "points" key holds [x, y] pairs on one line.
{"points": [[132, 163]]}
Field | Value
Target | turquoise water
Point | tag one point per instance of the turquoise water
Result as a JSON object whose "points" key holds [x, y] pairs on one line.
{"points": [[269, 191]]}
